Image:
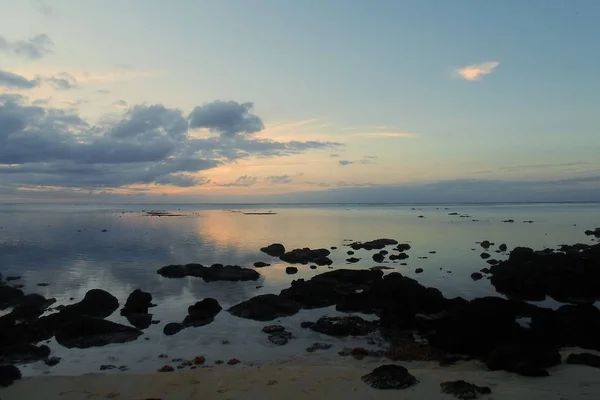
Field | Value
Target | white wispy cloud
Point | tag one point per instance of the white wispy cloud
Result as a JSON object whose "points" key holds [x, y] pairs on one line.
{"points": [[386, 134], [476, 71]]}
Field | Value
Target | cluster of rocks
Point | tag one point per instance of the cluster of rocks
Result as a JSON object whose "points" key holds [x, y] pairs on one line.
{"points": [[136, 309], [199, 314], [277, 334], [298, 256], [216, 272]]}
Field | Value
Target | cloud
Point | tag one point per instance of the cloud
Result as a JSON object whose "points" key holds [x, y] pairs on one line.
{"points": [[103, 91], [43, 8], [120, 104], [279, 179], [62, 81], [476, 71], [541, 166], [365, 160], [42, 146], [14, 81], [334, 155], [35, 48], [227, 118], [242, 181], [345, 162], [386, 135]]}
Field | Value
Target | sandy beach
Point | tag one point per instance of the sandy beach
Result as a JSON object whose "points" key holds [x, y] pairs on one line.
{"points": [[301, 380]]}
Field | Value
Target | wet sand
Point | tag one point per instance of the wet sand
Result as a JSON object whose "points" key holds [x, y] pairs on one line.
{"points": [[301, 380]]}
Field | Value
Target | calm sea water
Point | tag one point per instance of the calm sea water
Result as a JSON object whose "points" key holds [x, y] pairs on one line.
{"points": [[64, 246]]}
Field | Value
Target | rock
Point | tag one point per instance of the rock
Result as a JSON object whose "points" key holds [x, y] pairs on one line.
{"points": [[291, 270], [313, 267], [140, 321], [476, 276], [402, 247], [352, 260], [260, 264], [31, 306], [350, 252], [9, 374], [591, 360], [138, 302], [484, 255], [306, 255], [390, 377], [318, 346], [274, 250], [453, 213], [418, 270], [216, 272], [502, 247], [486, 244], [96, 303], [433, 252], [23, 353], [12, 278], [172, 328], [342, 326], [492, 262], [273, 329], [265, 307], [378, 257], [43, 284], [509, 220], [83, 332], [595, 232], [485, 270], [381, 268], [524, 359], [202, 313], [280, 338], [400, 256], [376, 244], [52, 361], [166, 368], [8, 296], [464, 390]]}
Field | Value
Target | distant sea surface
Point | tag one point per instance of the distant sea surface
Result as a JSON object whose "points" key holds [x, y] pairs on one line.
{"points": [[65, 246]]}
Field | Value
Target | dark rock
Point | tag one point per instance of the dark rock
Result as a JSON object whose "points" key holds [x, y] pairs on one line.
{"points": [[96, 303], [350, 252], [484, 255], [280, 338], [9, 374], [43, 284], [107, 367], [453, 213], [352, 260], [476, 276], [381, 268], [52, 361], [342, 326], [215, 272], [31, 306], [588, 359], [400, 256], [202, 313], [83, 332], [376, 244], [485, 270], [8, 296], [492, 262], [502, 247], [274, 250], [333, 248], [402, 247], [273, 329], [260, 264], [318, 346], [378, 257], [528, 359], [595, 232], [418, 270], [486, 244], [509, 220], [265, 307], [291, 270], [172, 328], [23, 353], [12, 278], [390, 377], [433, 252], [140, 321], [313, 267], [138, 302], [306, 255], [464, 390]]}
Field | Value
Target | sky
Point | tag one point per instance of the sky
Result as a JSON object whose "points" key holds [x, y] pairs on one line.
{"points": [[307, 101]]}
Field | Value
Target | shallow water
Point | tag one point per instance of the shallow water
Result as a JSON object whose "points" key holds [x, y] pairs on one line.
{"points": [[64, 246]]}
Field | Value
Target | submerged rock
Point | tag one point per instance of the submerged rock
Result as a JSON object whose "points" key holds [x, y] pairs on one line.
{"points": [[464, 390], [342, 326], [216, 272], [274, 250], [138, 302], [260, 264], [390, 377], [173, 328], [291, 270], [595, 232], [265, 307], [306, 255], [352, 260], [378, 257], [476, 276], [202, 313], [376, 244], [318, 346], [83, 332]]}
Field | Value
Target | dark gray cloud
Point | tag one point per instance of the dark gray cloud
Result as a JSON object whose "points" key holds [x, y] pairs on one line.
{"points": [[14, 81], [242, 181], [366, 160], [279, 179], [34, 48], [62, 81], [227, 118], [43, 146], [345, 162]]}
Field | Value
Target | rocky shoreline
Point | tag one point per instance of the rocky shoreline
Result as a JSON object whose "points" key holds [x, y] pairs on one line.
{"points": [[505, 334]]}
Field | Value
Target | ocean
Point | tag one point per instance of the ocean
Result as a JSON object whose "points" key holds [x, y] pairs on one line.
{"points": [[118, 248]]}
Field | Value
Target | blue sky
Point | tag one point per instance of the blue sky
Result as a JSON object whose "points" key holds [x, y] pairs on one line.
{"points": [[350, 94]]}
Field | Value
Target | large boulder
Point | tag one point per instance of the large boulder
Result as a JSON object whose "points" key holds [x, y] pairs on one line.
{"points": [[9, 295], [265, 307], [96, 303], [342, 326], [569, 325], [390, 377], [84, 331], [138, 302], [376, 244], [274, 250], [306, 255], [9, 374], [216, 272], [202, 313], [31, 306], [527, 359], [23, 353]]}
